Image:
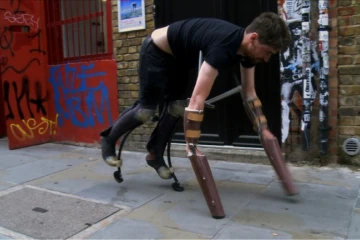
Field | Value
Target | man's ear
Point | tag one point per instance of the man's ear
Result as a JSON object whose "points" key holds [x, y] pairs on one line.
{"points": [[253, 36]]}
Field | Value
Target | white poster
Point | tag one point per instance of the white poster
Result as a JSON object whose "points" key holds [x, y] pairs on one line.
{"points": [[131, 15]]}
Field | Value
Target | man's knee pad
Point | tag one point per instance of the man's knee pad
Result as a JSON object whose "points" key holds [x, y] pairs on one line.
{"points": [[144, 115], [176, 108]]}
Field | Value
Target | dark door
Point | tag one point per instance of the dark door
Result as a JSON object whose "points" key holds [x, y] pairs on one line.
{"points": [[228, 123]]}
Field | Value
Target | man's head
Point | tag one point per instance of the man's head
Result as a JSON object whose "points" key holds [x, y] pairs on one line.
{"points": [[266, 35]]}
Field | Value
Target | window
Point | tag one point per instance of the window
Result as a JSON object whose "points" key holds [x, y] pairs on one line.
{"points": [[78, 30]]}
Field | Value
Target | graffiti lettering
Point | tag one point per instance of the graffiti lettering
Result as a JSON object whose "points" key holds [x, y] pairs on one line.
{"points": [[22, 18], [80, 113], [23, 69], [17, 9], [6, 38], [10, 115], [38, 49], [25, 92], [28, 128]]}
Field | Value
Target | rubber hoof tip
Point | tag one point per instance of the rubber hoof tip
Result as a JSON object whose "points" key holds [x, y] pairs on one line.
{"points": [[219, 217], [118, 177], [293, 197], [177, 187]]}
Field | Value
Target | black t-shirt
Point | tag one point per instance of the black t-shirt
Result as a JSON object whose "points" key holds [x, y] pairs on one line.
{"points": [[218, 40]]}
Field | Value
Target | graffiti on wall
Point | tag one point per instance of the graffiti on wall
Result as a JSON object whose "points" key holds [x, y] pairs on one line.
{"points": [[295, 77], [85, 97], [76, 100], [22, 18], [23, 77]]}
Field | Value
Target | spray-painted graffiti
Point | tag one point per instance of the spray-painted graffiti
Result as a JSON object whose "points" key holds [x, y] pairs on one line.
{"points": [[23, 98], [80, 94], [22, 18], [31, 127], [23, 74]]}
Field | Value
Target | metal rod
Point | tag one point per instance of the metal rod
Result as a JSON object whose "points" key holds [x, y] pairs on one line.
{"points": [[225, 95]]}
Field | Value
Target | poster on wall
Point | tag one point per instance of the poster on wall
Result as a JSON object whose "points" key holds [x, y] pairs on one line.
{"points": [[131, 15]]}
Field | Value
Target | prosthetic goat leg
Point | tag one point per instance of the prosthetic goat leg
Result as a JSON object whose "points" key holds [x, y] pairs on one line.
{"points": [[272, 148], [199, 162]]}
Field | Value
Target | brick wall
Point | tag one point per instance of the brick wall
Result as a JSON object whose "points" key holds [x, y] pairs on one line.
{"points": [[349, 73], [126, 50]]}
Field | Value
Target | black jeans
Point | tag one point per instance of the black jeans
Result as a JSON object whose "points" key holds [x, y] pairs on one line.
{"points": [[160, 77]]}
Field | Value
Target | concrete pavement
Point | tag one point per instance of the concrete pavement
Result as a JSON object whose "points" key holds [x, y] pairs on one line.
{"points": [[55, 191]]}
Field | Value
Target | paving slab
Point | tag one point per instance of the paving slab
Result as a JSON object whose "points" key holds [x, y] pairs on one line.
{"points": [[43, 215], [127, 228], [137, 189], [5, 237], [320, 211], [187, 211], [354, 228], [342, 177], [80, 178], [32, 170], [6, 185], [8, 160], [73, 180], [237, 231], [44, 151], [29, 171]]}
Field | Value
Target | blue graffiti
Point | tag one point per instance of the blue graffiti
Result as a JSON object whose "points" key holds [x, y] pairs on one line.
{"points": [[69, 91]]}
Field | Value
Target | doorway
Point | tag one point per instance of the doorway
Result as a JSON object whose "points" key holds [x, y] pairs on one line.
{"points": [[228, 123]]}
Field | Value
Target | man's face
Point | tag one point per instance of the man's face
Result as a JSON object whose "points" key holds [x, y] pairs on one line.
{"points": [[258, 52]]}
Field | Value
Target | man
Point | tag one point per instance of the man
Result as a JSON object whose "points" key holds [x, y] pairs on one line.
{"points": [[165, 57]]}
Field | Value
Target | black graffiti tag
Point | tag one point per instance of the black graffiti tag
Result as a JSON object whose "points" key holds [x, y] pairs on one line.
{"points": [[23, 69], [6, 38], [24, 94], [38, 49], [10, 115], [17, 9], [39, 100]]}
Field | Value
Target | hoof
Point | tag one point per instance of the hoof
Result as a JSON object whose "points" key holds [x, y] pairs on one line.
{"points": [[164, 172], [113, 161]]}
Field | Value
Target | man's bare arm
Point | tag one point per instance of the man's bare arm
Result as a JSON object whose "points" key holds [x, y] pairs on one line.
{"points": [[254, 106], [204, 83], [248, 82]]}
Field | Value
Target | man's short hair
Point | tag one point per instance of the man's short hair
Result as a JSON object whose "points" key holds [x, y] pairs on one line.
{"points": [[272, 31]]}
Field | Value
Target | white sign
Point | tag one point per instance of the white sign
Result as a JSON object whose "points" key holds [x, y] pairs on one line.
{"points": [[131, 15]]}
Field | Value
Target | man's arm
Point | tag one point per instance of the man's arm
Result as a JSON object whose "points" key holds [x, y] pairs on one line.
{"points": [[248, 85], [204, 83], [248, 82]]}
